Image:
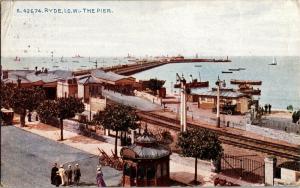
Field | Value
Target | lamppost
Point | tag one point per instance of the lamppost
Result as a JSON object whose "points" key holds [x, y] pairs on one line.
{"points": [[219, 84]]}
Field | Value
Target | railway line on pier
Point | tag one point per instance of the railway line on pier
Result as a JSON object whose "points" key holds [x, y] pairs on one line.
{"points": [[241, 141]]}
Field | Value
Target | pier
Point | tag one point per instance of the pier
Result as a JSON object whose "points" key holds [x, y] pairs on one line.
{"points": [[139, 66]]}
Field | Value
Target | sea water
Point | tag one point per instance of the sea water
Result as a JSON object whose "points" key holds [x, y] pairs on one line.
{"points": [[280, 83]]}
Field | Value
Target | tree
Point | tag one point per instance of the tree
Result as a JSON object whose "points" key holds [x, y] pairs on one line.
{"points": [[47, 110], [67, 108], [24, 99], [296, 116], [163, 136], [155, 84], [61, 108], [117, 117], [6, 94], [200, 144]]}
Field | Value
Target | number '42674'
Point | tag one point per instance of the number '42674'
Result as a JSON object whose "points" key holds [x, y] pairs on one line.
{"points": [[29, 10]]}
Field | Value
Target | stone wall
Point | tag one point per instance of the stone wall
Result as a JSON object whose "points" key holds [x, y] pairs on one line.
{"points": [[275, 134]]}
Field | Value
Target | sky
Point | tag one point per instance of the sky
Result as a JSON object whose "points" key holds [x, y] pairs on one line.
{"points": [[208, 28]]}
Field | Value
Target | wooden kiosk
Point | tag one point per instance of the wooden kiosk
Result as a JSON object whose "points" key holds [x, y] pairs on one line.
{"points": [[146, 163]]}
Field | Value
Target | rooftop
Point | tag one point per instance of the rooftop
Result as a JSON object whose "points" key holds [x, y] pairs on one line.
{"points": [[224, 94], [31, 76], [110, 76]]}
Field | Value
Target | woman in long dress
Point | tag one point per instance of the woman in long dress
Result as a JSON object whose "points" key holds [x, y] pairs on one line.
{"points": [[99, 178], [62, 174]]}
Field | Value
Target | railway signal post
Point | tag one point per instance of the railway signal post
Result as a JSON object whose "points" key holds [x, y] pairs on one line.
{"points": [[219, 84], [183, 112]]}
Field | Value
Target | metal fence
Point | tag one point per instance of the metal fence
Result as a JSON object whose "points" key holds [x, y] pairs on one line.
{"points": [[242, 167]]}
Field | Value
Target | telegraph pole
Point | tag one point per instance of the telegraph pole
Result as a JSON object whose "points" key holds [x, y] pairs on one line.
{"points": [[183, 112], [219, 83]]}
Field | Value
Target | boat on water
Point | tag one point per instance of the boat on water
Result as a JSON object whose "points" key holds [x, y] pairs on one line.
{"points": [[75, 61], [274, 61], [234, 69], [26, 68], [198, 65], [251, 82], [194, 84], [62, 59], [223, 89], [248, 89], [55, 66], [17, 59], [82, 66], [227, 72], [77, 56], [242, 68], [132, 60]]}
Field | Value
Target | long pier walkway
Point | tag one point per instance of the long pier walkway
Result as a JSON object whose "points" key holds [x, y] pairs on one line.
{"points": [[139, 66], [127, 69]]}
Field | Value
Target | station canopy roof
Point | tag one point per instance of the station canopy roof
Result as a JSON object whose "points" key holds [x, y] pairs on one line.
{"points": [[31, 77], [223, 94], [88, 80], [109, 76]]}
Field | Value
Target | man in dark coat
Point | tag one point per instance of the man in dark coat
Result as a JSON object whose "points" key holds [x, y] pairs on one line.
{"points": [[53, 173], [270, 108], [266, 108], [77, 174], [69, 173]]}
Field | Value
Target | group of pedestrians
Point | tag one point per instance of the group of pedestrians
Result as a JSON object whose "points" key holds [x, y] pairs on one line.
{"points": [[268, 108], [61, 176]]}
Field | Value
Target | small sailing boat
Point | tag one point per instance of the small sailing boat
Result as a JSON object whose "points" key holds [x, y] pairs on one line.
{"points": [[274, 61], [77, 56]]}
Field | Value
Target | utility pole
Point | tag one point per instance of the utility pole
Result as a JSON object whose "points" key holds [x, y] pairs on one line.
{"points": [[183, 113], [219, 83]]}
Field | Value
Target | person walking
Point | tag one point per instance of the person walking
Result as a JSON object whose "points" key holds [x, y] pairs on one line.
{"points": [[62, 174], [57, 179], [266, 108], [53, 173], [69, 173], [77, 174], [29, 116], [270, 106], [99, 178]]}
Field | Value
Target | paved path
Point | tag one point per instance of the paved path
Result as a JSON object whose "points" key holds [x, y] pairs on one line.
{"points": [[181, 169], [27, 160], [139, 103], [178, 170]]}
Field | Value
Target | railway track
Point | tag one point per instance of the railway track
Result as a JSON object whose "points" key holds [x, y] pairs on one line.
{"points": [[284, 151]]}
